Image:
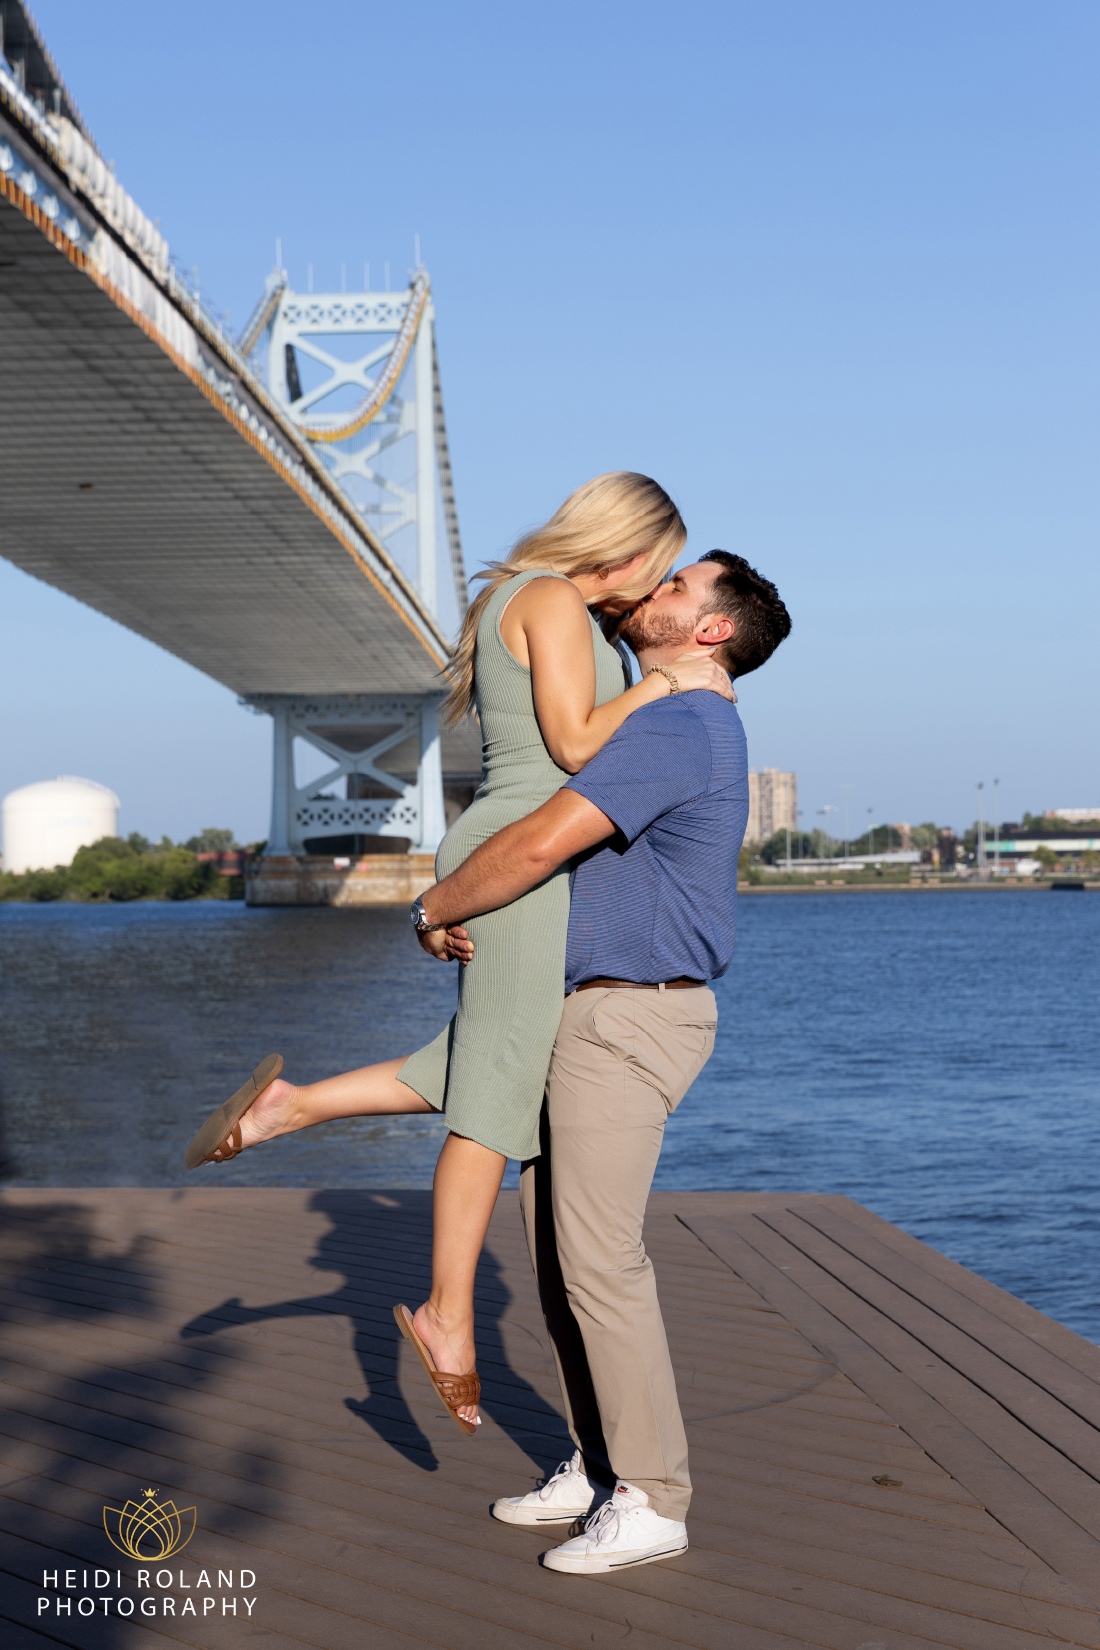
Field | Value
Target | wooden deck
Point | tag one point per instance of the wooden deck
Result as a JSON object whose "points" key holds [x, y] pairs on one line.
{"points": [[888, 1452]]}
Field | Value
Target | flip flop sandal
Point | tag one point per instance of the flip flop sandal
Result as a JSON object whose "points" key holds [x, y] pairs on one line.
{"points": [[222, 1129], [455, 1390]]}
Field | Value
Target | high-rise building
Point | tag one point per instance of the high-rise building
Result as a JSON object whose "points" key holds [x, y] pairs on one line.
{"points": [[773, 803]]}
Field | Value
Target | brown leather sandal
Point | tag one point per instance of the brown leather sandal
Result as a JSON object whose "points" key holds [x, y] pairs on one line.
{"points": [[455, 1390], [222, 1129]]}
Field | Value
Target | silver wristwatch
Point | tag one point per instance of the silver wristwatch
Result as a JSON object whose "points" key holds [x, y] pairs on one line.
{"points": [[420, 919]]}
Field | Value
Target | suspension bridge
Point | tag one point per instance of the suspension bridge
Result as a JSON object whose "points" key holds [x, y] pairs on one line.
{"points": [[276, 508]]}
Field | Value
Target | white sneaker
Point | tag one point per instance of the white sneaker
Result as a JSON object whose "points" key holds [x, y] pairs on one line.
{"points": [[624, 1531], [567, 1494]]}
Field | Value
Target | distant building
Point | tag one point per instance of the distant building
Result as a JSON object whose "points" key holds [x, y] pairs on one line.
{"points": [[45, 824], [773, 804], [947, 850], [1014, 843], [1073, 815]]}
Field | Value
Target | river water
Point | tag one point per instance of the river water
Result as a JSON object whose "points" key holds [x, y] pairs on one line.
{"points": [[933, 1055]]}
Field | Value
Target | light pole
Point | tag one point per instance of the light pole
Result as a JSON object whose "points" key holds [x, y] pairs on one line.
{"points": [[981, 826], [996, 831], [825, 811], [870, 833], [847, 839]]}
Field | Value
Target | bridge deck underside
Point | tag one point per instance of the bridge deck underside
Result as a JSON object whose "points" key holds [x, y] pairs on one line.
{"points": [[188, 535]]}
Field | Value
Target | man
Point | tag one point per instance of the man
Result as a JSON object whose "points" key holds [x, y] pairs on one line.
{"points": [[657, 819]]}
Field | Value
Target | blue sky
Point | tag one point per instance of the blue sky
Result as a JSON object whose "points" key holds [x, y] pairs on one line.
{"points": [[828, 271]]}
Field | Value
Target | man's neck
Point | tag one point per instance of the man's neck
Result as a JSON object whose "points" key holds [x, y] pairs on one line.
{"points": [[667, 655]]}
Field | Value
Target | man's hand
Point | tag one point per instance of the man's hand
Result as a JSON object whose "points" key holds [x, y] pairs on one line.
{"points": [[435, 944], [460, 946], [448, 945]]}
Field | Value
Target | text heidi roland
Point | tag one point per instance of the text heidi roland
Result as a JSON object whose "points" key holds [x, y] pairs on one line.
{"points": [[159, 1598]]}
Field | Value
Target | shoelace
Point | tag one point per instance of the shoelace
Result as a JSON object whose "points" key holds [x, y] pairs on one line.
{"points": [[562, 1470], [603, 1524]]}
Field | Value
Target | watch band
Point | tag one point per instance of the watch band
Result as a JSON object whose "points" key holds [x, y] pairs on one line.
{"points": [[420, 919]]}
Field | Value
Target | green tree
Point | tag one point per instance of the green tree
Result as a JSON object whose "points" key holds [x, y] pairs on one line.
{"points": [[41, 885], [774, 851], [111, 869], [212, 840], [184, 877], [925, 836]]}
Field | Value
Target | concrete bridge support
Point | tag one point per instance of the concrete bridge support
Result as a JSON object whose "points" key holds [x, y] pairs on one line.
{"points": [[402, 799]]}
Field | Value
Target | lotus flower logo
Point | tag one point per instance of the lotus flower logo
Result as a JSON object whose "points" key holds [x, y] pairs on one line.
{"points": [[149, 1529]]}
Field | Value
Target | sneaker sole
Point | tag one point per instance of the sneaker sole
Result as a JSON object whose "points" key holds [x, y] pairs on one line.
{"points": [[528, 1515], [597, 1566]]}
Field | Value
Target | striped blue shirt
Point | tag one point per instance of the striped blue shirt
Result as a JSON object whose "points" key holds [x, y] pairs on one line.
{"points": [[657, 901]]}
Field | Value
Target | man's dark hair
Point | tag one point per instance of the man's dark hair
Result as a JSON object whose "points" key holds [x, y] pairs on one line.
{"points": [[740, 593]]}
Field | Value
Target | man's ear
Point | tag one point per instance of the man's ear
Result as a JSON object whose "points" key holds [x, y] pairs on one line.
{"points": [[713, 629]]}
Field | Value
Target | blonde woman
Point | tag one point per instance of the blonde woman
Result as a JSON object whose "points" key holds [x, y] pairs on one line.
{"points": [[549, 691]]}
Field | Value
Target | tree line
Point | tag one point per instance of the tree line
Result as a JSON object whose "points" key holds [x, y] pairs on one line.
{"points": [[133, 868]]}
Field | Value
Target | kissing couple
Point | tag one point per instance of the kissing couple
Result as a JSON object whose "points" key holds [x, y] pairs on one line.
{"points": [[588, 893]]}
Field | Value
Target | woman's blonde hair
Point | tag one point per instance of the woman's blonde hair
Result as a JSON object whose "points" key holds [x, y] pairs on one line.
{"points": [[600, 527]]}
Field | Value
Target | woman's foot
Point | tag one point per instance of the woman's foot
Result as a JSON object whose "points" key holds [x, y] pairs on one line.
{"points": [[276, 1111], [452, 1350]]}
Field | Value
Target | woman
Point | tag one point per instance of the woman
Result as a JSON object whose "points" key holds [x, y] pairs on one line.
{"points": [[549, 692]]}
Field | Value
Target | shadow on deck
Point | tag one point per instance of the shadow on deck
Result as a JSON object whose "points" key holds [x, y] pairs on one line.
{"points": [[887, 1450]]}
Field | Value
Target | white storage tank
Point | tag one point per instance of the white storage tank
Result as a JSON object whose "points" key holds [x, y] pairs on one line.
{"points": [[45, 824]]}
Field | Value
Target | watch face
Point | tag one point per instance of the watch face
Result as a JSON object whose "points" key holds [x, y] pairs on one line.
{"points": [[416, 913]]}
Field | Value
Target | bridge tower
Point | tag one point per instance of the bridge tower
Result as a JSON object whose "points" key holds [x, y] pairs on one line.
{"points": [[358, 373]]}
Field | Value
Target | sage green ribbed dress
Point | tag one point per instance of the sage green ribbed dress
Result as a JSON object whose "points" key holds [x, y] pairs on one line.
{"points": [[487, 1069]]}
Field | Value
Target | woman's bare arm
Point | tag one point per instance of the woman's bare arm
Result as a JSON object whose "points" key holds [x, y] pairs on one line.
{"points": [[545, 627]]}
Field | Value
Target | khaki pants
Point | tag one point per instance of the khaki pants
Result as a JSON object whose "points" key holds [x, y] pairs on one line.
{"points": [[622, 1062]]}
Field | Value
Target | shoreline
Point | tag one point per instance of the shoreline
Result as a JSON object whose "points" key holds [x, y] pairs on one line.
{"points": [[918, 886]]}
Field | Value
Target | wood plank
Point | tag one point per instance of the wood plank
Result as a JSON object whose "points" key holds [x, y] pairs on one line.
{"points": [[382, 1536], [1035, 1434], [1048, 1395], [901, 1583], [405, 1580], [1070, 1347], [998, 1562], [840, 1607], [25, 1559], [204, 1430], [846, 1331]]}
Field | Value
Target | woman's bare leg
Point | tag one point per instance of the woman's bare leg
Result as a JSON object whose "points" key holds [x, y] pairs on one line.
{"points": [[467, 1180], [372, 1090]]}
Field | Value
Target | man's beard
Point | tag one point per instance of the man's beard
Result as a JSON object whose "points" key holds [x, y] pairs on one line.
{"points": [[647, 628]]}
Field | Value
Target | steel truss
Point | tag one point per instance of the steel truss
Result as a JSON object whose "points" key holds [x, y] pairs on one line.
{"points": [[298, 812], [398, 328]]}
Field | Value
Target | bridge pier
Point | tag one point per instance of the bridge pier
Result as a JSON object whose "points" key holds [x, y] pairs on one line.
{"points": [[386, 757]]}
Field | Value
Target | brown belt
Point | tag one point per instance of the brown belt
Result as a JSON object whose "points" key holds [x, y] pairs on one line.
{"points": [[681, 984]]}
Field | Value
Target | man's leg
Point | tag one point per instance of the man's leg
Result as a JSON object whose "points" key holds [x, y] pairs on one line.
{"points": [[582, 1414], [622, 1062]]}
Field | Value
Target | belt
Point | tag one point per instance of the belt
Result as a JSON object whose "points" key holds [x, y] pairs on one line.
{"points": [[681, 984]]}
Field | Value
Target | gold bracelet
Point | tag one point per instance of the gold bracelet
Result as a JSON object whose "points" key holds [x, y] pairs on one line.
{"points": [[662, 670]]}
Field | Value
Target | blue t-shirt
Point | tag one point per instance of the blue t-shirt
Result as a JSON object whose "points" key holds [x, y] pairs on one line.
{"points": [[656, 902]]}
